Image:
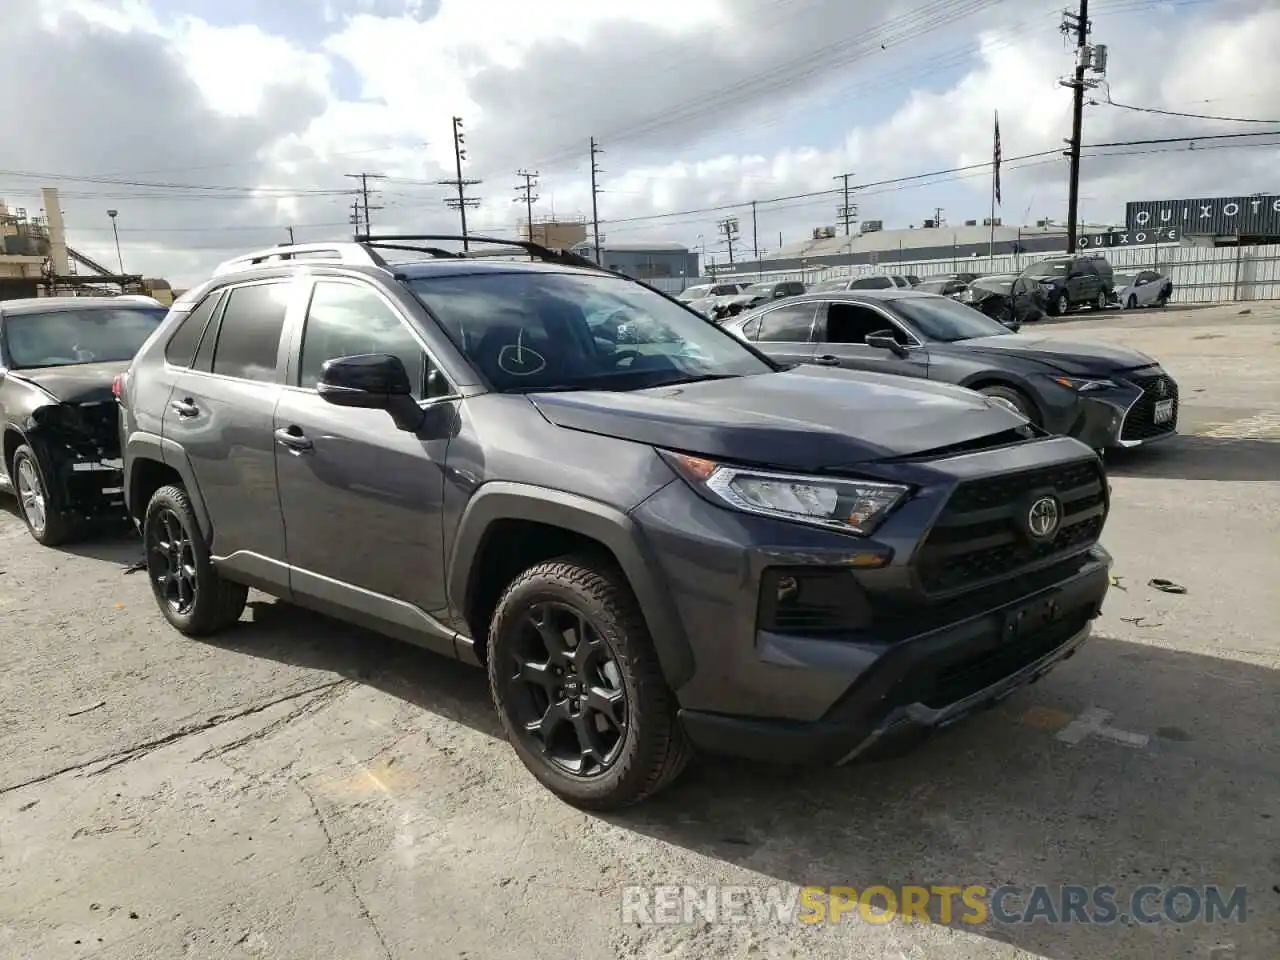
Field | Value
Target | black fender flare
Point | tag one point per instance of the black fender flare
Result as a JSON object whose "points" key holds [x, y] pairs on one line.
{"points": [[148, 446], [612, 528]]}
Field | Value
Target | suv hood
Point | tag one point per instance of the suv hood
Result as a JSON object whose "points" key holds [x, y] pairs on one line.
{"points": [[78, 383], [808, 419], [1067, 356]]}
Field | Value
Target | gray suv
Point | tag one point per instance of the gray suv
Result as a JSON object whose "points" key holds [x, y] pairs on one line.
{"points": [[652, 543]]}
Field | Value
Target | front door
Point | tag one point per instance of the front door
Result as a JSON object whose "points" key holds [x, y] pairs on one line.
{"points": [[842, 330], [362, 498], [220, 413], [785, 332]]}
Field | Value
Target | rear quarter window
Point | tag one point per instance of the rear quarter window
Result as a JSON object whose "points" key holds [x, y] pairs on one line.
{"points": [[185, 339]]}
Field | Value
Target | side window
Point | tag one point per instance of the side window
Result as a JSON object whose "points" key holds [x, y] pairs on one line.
{"points": [[249, 335], [848, 323], [351, 320], [181, 348], [751, 328], [791, 324]]}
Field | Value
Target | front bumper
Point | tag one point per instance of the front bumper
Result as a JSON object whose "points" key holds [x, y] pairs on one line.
{"points": [[1123, 415], [925, 683]]}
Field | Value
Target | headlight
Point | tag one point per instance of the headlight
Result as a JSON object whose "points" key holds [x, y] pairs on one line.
{"points": [[852, 506], [1081, 385]]}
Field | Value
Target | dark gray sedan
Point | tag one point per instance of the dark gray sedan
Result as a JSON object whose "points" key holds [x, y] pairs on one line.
{"points": [[1104, 395]]}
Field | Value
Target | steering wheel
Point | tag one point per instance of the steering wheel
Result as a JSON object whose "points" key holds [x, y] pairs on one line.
{"points": [[622, 356]]}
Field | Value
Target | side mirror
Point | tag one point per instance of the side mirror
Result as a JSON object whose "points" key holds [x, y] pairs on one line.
{"points": [[371, 381], [883, 340]]}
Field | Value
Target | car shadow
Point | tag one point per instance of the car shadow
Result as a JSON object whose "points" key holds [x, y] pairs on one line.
{"points": [[997, 800], [1190, 457], [276, 630]]}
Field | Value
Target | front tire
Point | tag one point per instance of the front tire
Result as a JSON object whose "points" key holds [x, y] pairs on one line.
{"points": [[578, 688], [190, 592], [1012, 399], [1061, 305], [1132, 303], [46, 520]]}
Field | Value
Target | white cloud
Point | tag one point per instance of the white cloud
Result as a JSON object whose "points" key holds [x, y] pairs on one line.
{"points": [[698, 104]]}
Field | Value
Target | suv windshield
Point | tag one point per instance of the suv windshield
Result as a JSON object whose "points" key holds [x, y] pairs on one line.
{"points": [[943, 319], [695, 293], [760, 288], [65, 337], [535, 331], [1047, 268]]}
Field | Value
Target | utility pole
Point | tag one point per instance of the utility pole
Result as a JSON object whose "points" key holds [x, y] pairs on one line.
{"points": [[729, 227], [937, 216], [1080, 26], [524, 191], [364, 179], [755, 234], [846, 214], [356, 227], [290, 229], [595, 191], [461, 202]]}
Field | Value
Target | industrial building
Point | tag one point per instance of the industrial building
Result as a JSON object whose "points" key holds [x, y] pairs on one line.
{"points": [[655, 260], [36, 260], [870, 244], [555, 232]]}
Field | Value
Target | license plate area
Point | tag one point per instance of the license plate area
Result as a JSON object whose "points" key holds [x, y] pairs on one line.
{"points": [[1163, 412], [1031, 618]]}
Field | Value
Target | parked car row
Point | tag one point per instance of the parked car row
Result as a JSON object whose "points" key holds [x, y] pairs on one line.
{"points": [[647, 527]]}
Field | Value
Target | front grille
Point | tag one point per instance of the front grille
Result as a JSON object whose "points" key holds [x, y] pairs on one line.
{"points": [[981, 535], [1139, 423]]}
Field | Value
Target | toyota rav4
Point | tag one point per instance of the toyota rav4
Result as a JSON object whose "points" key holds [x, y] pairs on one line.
{"points": [[653, 542]]}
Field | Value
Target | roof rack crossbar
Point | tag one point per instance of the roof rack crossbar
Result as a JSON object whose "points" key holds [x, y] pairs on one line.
{"points": [[535, 250], [350, 252]]}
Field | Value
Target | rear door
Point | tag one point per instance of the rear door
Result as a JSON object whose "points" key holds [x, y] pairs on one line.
{"points": [[221, 411], [842, 329], [786, 331]]}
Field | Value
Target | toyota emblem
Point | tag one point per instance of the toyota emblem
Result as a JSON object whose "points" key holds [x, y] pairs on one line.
{"points": [[1043, 519]]}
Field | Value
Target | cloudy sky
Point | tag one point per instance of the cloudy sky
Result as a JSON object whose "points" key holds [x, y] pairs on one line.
{"points": [[214, 125]]}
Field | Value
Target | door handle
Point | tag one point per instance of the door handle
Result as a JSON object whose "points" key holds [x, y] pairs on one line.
{"points": [[185, 408], [293, 438], [827, 360]]}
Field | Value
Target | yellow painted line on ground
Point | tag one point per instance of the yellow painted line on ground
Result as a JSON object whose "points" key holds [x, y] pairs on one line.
{"points": [[1045, 718]]}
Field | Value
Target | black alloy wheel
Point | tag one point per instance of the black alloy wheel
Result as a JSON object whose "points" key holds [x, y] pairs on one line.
{"points": [[579, 688], [171, 561], [191, 593], [568, 698]]}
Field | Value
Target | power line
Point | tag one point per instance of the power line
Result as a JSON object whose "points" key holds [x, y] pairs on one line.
{"points": [[983, 165], [462, 202], [524, 191], [1176, 113]]}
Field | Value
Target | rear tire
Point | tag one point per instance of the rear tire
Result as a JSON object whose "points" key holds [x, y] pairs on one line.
{"points": [[189, 590], [41, 507], [1101, 302], [1014, 399], [538, 679]]}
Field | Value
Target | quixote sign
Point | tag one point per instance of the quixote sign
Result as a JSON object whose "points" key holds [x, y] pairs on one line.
{"points": [[1128, 238], [1258, 215]]}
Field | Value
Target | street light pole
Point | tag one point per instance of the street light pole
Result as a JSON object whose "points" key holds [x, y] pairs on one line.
{"points": [[116, 233]]}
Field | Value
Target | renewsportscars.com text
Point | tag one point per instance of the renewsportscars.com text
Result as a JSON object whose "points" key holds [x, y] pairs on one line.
{"points": [[970, 905]]}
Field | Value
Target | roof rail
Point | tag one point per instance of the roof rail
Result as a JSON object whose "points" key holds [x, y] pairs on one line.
{"points": [[407, 241], [346, 251]]}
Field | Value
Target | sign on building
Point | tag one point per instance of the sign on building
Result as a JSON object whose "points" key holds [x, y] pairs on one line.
{"points": [[1258, 215], [1128, 238]]}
